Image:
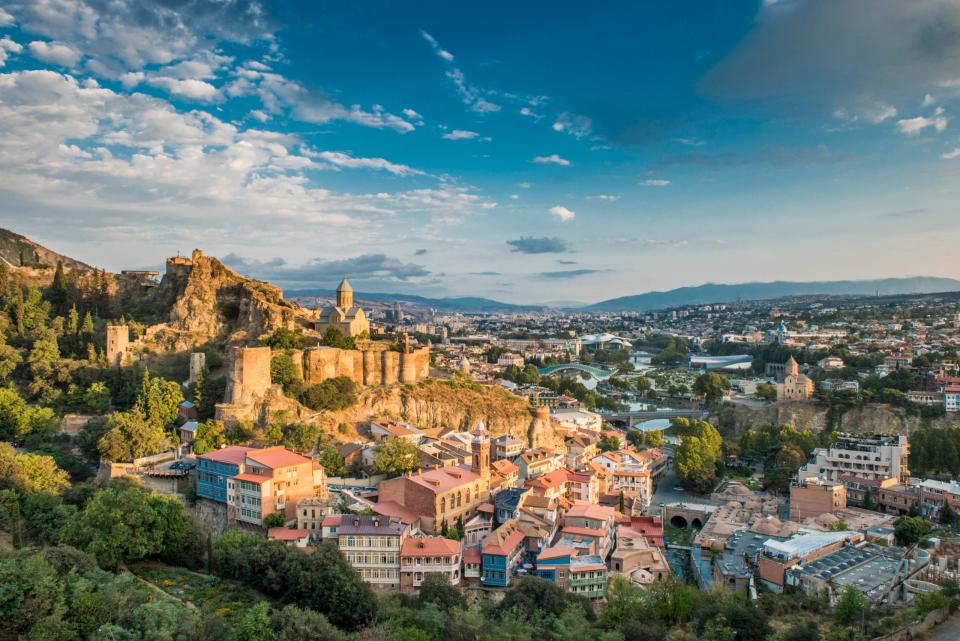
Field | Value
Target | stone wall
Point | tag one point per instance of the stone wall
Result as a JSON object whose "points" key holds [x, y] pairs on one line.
{"points": [[118, 341], [249, 375], [871, 418], [372, 365]]}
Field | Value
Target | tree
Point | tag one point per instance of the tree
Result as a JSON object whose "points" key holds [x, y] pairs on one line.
{"points": [[910, 529], [297, 624], [850, 606], [127, 523], [159, 400], [255, 624], [276, 519], [283, 371], [609, 444], [333, 337], [767, 391], [711, 386], [208, 437], [283, 338], [436, 589], [96, 399], [698, 456], [717, 629], [129, 435], [868, 503], [301, 437], [332, 462], [947, 515], [332, 394], [532, 600], [395, 456], [27, 472], [654, 438]]}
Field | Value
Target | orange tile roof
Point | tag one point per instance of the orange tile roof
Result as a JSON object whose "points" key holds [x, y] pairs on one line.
{"points": [[253, 478], [332, 520], [583, 531], [504, 540], [583, 509], [555, 552], [286, 534], [472, 555], [279, 456], [441, 479], [430, 546], [505, 467]]}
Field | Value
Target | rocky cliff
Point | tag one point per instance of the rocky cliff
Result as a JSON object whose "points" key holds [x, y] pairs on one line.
{"points": [[208, 301], [433, 404], [872, 418]]}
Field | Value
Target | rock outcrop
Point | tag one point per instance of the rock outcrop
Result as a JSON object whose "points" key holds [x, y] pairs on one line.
{"points": [[870, 418], [433, 404], [207, 301]]}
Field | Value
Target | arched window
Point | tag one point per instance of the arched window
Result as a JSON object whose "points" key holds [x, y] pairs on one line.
{"points": [[443, 504]]}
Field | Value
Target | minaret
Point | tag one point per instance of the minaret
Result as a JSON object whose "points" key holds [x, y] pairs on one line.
{"points": [[344, 295], [480, 447]]}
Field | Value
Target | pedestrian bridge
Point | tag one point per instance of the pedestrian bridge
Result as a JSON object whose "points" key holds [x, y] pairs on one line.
{"points": [[595, 372]]}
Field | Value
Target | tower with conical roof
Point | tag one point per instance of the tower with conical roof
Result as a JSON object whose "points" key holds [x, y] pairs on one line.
{"points": [[344, 295], [792, 368]]}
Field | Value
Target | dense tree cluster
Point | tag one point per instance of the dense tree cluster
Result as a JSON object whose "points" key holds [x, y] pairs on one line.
{"points": [[699, 458], [782, 449], [935, 451]]}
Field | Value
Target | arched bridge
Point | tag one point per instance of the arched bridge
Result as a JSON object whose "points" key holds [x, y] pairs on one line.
{"points": [[632, 418], [595, 372]]}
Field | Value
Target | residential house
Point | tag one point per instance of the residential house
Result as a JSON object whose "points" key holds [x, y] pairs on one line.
{"points": [[541, 460], [372, 545], [589, 526], [296, 538], [273, 479], [502, 553], [423, 555], [214, 468]]}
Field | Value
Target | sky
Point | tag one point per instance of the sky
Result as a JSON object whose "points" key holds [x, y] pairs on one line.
{"points": [[526, 151]]}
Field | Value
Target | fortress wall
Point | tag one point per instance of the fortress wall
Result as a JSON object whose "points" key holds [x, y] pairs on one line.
{"points": [[391, 368], [118, 340], [408, 368], [372, 371]]}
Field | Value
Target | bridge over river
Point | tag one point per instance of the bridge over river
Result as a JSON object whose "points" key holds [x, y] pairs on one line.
{"points": [[595, 372], [632, 418]]}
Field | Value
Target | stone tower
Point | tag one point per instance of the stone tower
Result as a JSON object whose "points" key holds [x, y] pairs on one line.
{"points": [[480, 448], [118, 340], [344, 295], [198, 363], [792, 368]]}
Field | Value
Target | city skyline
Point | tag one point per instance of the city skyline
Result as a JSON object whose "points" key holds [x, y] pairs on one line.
{"points": [[515, 153]]}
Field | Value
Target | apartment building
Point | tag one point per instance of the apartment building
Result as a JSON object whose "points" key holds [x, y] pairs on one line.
{"points": [[813, 497], [272, 479], [214, 468], [590, 527], [541, 460], [866, 456], [507, 447], [501, 554], [372, 545], [425, 555], [585, 575]]}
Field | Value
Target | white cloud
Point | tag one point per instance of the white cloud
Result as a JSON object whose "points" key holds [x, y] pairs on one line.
{"points": [[552, 159], [110, 158], [530, 113], [950, 155], [461, 134], [573, 124], [655, 182], [471, 95], [514, 196], [132, 79], [928, 100], [338, 159], [55, 53], [259, 115], [880, 113], [609, 198], [412, 115], [912, 126], [562, 213], [8, 46], [437, 49], [6, 20], [278, 94], [192, 89]]}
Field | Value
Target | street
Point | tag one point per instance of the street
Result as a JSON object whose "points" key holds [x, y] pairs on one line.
{"points": [[949, 631]]}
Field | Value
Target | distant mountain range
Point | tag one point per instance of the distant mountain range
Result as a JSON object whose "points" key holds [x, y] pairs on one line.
{"points": [[716, 293], [462, 304]]}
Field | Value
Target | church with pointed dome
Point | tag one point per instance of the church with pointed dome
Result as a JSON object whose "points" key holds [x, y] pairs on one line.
{"points": [[345, 316]]}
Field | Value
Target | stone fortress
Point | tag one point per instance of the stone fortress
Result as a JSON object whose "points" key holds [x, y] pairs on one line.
{"points": [[371, 363]]}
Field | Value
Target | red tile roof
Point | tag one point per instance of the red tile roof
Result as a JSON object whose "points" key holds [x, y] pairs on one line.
{"points": [[252, 478], [556, 552], [274, 457], [235, 454], [286, 534], [430, 546]]}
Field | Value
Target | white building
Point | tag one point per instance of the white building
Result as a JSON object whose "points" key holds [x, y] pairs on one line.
{"points": [[867, 456]]}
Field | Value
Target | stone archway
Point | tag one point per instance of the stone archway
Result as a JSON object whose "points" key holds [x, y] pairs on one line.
{"points": [[679, 521]]}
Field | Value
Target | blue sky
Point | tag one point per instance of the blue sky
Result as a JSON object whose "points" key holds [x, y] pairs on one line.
{"points": [[528, 152]]}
